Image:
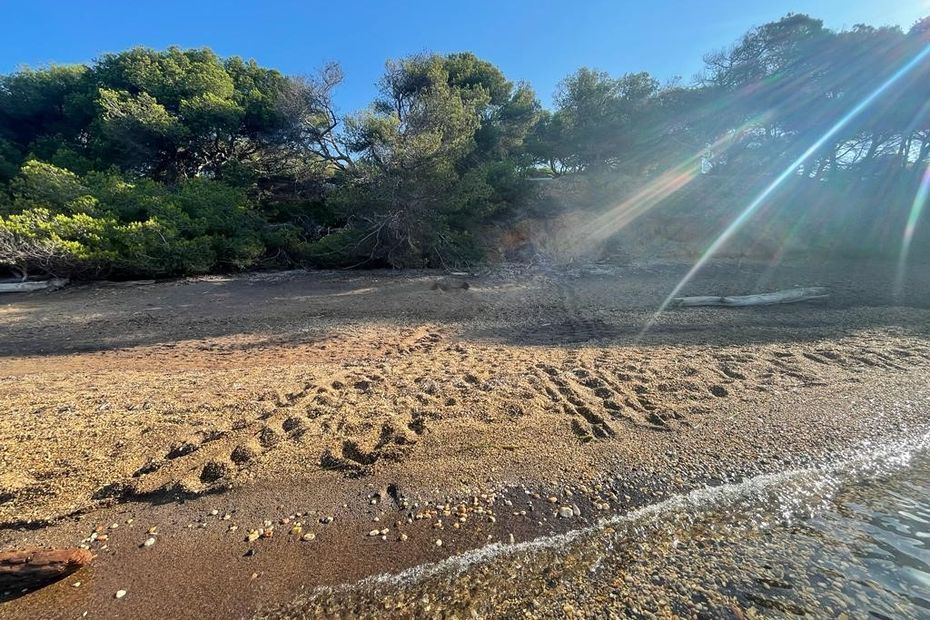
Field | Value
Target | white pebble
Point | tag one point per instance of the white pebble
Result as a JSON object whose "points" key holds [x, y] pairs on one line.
{"points": [[120, 593]]}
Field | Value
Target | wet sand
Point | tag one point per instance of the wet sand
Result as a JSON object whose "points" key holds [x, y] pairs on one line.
{"points": [[359, 396]]}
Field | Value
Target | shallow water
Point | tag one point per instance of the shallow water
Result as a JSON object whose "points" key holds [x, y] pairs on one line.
{"points": [[850, 540]]}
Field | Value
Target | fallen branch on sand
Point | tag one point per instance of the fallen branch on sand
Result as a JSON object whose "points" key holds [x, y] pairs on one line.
{"points": [[787, 296], [29, 287], [32, 568]]}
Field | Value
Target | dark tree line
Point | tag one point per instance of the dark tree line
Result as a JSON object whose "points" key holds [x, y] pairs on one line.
{"points": [[179, 162]]}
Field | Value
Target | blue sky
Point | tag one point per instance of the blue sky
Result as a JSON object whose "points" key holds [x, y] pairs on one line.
{"points": [[540, 41]]}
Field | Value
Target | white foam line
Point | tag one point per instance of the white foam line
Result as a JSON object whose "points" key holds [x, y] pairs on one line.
{"points": [[885, 459]]}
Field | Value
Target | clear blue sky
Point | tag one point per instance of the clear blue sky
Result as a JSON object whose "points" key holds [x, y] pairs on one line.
{"points": [[540, 41]]}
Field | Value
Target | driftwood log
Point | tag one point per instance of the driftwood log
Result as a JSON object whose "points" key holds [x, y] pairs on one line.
{"points": [[33, 568], [787, 296], [31, 286]]}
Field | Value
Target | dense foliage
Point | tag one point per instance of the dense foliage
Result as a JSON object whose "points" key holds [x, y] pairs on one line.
{"points": [[178, 162]]}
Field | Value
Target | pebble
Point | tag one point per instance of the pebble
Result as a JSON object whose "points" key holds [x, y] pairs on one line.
{"points": [[308, 536], [149, 541], [120, 593], [76, 584], [438, 542], [214, 512], [565, 512], [374, 533], [403, 537]]}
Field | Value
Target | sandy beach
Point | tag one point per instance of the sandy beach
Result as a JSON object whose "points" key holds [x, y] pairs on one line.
{"points": [[379, 421]]}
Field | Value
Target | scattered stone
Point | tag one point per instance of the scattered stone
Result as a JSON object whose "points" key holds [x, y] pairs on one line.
{"points": [[403, 537], [374, 532], [149, 541], [308, 536], [252, 536], [120, 593], [438, 542], [566, 512]]}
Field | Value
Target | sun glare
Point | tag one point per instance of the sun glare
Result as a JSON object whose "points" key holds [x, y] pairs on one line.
{"points": [[791, 169]]}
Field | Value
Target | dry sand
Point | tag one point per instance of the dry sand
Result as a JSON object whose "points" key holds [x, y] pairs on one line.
{"points": [[365, 395]]}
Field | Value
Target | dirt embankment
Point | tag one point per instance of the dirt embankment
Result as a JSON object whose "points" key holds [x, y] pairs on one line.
{"points": [[297, 392]]}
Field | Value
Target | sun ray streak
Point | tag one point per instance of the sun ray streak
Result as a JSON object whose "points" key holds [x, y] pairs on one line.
{"points": [[920, 201], [741, 219], [652, 194]]}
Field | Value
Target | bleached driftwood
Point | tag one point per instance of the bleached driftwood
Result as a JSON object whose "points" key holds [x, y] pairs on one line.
{"points": [[28, 287], [787, 296]]}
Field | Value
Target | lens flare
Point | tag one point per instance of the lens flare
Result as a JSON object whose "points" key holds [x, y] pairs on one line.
{"points": [[920, 201], [653, 193], [753, 206]]}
